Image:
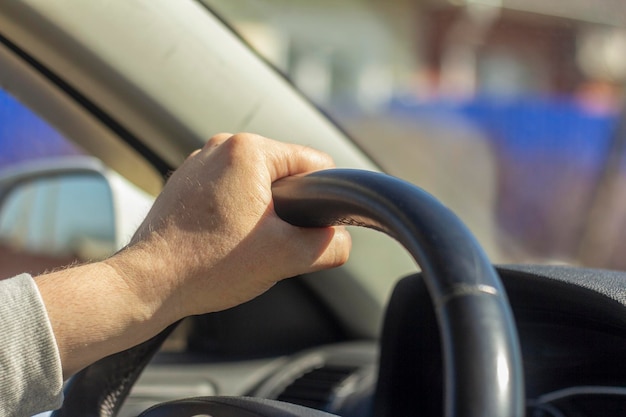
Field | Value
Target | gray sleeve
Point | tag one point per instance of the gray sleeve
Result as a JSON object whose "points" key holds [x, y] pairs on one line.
{"points": [[31, 379]]}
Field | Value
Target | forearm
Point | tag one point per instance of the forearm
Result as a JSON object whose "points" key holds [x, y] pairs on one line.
{"points": [[94, 313]]}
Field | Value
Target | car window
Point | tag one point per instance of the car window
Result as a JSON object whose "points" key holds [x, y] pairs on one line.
{"points": [[508, 111]]}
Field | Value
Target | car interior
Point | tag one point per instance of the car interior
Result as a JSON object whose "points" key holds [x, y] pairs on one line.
{"points": [[469, 292]]}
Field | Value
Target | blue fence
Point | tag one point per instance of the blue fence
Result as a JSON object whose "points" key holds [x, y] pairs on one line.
{"points": [[24, 135], [527, 127]]}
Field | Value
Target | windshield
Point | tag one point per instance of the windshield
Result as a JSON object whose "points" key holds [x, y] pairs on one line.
{"points": [[508, 111]]}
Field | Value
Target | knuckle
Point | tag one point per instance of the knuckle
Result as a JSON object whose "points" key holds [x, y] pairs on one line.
{"points": [[218, 138], [244, 138], [239, 141]]}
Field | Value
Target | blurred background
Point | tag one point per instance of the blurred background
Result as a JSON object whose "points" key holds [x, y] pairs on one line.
{"points": [[509, 111]]}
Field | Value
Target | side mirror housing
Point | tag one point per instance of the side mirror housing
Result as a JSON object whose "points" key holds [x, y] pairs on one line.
{"points": [[64, 210]]}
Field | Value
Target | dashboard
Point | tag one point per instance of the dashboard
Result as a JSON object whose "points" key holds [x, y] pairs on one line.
{"points": [[571, 322]]}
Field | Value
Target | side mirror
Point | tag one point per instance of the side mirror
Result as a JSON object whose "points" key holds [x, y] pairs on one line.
{"points": [[63, 211]]}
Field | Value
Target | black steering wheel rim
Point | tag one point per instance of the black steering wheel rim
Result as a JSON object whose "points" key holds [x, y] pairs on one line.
{"points": [[481, 353]]}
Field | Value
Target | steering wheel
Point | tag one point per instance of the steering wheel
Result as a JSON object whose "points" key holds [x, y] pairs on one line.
{"points": [[480, 348]]}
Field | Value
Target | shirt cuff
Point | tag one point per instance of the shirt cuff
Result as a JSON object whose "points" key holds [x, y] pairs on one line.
{"points": [[30, 365]]}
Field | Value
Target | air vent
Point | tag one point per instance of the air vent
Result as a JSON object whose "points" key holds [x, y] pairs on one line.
{"points": [[317, 388]]}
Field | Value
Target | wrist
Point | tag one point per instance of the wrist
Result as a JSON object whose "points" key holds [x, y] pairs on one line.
{"points": [[144, 279]]}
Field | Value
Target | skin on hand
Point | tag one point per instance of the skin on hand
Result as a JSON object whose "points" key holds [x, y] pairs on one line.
{"points": [[211, 241]]}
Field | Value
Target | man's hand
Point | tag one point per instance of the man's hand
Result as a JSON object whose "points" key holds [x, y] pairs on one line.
{"points": [[213, 232], [211, 241]]}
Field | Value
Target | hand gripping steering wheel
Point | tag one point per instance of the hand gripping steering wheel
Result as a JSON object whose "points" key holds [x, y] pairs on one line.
{"points": [[481, 353]]}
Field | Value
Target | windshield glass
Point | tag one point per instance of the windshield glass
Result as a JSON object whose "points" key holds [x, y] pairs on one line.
{"points": [[506, 110]]}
